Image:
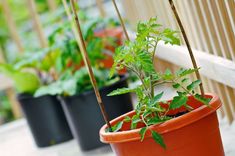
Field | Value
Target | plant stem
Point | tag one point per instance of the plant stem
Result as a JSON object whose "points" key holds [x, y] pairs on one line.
{"points": [[151, 76], [187, 44]]}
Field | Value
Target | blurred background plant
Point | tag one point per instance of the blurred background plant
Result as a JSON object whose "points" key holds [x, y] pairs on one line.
{"points": [[6, 114]]}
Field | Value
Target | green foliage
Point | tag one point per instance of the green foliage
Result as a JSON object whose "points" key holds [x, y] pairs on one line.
{"points": [[138, 57], [25, 82], [158, 139], [5, 108], [64, 59], [76, 83], [178, 101], [121, 91], [142, 133], [117, 126]]}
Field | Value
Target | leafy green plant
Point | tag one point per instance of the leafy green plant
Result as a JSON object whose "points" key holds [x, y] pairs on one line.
{"points": [[72, 76], [74, 83], [6, 113], [138, 57]]}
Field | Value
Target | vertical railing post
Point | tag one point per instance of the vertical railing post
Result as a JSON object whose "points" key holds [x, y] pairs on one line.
{"points": [[101, 7]]}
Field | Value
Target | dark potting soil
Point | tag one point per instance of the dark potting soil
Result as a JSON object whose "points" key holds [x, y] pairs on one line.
{"points": [[178, 114]]}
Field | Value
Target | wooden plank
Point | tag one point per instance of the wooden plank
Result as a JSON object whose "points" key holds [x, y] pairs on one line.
{"points": [[213, 67]]}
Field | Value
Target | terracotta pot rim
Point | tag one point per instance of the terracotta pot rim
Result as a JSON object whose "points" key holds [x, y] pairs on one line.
{"points": [[166, 127]]}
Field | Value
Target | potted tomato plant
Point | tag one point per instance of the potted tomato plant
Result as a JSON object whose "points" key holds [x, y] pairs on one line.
{"points": [[185, 125], [75, 90], [44, 114]]}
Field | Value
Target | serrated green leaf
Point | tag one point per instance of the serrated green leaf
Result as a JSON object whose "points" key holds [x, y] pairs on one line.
{"points": [[170, 36], [121, 91], [184, 80], [176, 85], [142, 133], [156, 98], [168, 75], [193, 85], [127, 119], [178, 101], [155, 109], [184, 72], [117, 126], [153, 121], [204, 100], [135, 120], [158, 139]]}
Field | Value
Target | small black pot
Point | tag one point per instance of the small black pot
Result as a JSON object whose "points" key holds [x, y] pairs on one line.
{"points": [[46, 119], [84, 115]]}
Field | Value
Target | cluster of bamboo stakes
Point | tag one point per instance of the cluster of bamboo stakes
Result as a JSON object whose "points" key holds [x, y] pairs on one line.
{"points": [[210, 26]]}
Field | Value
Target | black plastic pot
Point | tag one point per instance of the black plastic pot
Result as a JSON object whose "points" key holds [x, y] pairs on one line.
{"points": [[46, 119], [84, 115]]}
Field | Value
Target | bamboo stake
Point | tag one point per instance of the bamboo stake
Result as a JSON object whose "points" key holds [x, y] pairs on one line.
{"points": [[16, 110], [12, 25], [37, 24], [187, 44], [52, 5], [101, 7], [121, 20], [81, 43]]}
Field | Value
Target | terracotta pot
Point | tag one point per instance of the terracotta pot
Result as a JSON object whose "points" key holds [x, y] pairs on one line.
{"points": [[192, 134], [112, 32]]}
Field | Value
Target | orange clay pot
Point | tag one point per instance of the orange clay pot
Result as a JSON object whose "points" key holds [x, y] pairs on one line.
{"points": [[117, 33], [193, 134]]}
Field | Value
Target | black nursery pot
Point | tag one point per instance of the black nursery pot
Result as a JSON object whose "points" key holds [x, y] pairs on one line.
{"points": [[84, 115], [46, 119]]}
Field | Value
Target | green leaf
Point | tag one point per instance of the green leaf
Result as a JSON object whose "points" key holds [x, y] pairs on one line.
{"points": [[184, 72], [193, 85], [202, 99], [145, 61], [142, 133], [178, 101], [135, 120], [184, 80], [121, 91], [25, 82], [117, 127], [158, 139], [127, 119], [153, 121], [176, 85], [155, 109], [170, 36], [156, 98], [168, 75]]}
